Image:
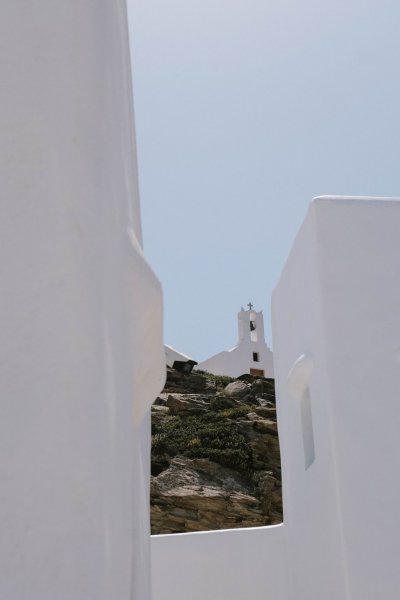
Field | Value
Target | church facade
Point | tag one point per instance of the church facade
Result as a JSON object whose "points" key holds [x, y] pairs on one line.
{"points": [[251, 354]]}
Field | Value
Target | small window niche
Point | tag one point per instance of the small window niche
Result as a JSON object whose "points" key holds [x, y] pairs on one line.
{"points": [[299, 387], [256, 357]]}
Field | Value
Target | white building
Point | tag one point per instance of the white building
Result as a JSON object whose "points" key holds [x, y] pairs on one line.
{"points": [[337, 363], [251, 355]]}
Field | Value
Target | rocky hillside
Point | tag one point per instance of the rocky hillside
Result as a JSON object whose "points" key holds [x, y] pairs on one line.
{"points": [[215, 454]]}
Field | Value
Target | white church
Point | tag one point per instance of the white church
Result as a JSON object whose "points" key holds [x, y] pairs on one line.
{"points": [[251, 354]]}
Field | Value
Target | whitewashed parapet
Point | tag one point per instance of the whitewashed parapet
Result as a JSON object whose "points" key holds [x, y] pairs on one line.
{"points": [[220, 565]]}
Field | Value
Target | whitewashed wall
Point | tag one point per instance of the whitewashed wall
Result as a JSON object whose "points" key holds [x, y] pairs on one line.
{"points": [[220, 565], [81, 354], [336, 322], [338, 303]]}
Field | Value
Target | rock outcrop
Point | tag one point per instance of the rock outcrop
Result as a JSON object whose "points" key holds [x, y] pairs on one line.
{"points": [[215, 454]]}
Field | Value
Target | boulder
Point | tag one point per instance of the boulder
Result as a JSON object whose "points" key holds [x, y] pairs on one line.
{"points": [[237, 389], [185, 404]]}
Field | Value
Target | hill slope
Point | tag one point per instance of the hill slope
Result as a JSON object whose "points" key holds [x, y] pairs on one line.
{"points": [[215, 454]]}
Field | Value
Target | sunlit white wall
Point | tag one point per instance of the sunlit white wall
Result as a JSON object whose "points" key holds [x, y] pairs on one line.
{"points": [[219, 565], [81, 355], [336, 333]]}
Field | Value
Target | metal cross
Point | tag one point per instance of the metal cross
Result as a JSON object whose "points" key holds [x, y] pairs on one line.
{"points": [[250, 305]]}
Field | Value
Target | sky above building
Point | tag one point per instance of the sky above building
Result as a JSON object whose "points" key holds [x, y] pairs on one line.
{"points": [[245, 110]]}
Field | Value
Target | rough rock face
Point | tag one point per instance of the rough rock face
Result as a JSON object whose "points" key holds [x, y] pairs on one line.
{"points": [[215, 454], [186, 404], [193, 495]]}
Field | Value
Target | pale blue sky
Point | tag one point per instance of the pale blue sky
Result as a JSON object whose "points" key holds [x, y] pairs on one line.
{"points": [[245, 110]]}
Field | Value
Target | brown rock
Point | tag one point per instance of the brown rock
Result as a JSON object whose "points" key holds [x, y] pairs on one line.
{"points": [[198, 495], [263, 411], [184, 404], [237, 389]]}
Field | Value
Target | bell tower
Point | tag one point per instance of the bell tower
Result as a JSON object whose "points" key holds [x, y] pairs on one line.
{"points": [[251, 354], [250, 326]]}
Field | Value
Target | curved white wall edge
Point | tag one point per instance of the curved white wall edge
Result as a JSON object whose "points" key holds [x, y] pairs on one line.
{"points": [[300, 376], [82, 355], [220, 531]]}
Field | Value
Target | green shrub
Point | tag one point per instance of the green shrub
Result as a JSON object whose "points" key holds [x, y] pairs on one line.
{"points": [[236, 412], [221, 402], [209, 435]]}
